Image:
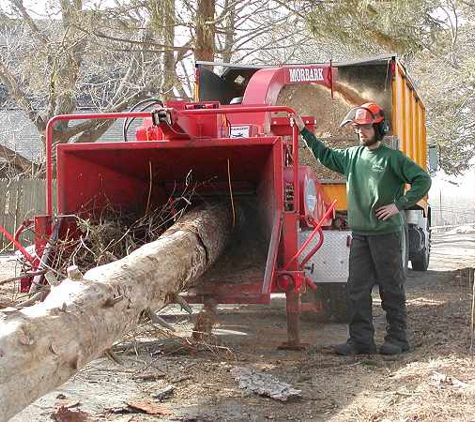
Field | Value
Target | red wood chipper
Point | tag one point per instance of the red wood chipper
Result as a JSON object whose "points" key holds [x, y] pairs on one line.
{"points": [[246, 153]]}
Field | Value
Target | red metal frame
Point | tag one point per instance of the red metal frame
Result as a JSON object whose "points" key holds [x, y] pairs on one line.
{"points": [[13, 239], [317, 228], [23, 226], [266, 84], [282, 223], [282, 270], [267, 109], [315, 248], [49, 143], [223, 110], [34, 261]]}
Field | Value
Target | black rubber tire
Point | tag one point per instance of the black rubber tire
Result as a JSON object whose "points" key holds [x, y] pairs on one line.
{"points": [[421, 262]]}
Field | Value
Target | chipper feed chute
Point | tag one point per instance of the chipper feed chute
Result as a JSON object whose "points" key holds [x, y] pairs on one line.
{"points": [[243, 172]]}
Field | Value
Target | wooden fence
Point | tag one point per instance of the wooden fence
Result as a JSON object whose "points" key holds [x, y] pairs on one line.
{"points": [[19, 200]]}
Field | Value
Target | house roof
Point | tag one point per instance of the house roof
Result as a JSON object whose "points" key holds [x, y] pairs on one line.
{"points": [[18, 133]]}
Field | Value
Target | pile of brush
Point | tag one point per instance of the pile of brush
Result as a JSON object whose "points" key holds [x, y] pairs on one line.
{"points": [[107, 237]]}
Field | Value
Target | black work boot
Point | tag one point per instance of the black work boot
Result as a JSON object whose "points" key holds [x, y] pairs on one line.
{"points": [[351, 348], [389, 348]]}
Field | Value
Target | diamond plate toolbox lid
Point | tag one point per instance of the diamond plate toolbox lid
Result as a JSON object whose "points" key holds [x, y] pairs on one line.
{"points": [[330, 262]]}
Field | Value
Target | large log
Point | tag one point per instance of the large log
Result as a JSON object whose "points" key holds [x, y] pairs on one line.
{"points": [[44, 345]]}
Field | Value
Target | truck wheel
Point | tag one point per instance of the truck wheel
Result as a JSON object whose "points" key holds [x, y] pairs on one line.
{"points": [[421, 262], [334, 299]]}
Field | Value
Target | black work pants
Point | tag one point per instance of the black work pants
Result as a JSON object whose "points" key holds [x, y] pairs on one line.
{"points": [[376, 259]]}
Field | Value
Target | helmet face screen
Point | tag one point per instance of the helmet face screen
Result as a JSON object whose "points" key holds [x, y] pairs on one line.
{"points": [[363, 117], [366, 114], [358, 116]]}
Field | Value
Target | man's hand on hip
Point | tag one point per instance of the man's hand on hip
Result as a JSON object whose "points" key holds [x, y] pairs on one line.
{"points": [[386, 212]]}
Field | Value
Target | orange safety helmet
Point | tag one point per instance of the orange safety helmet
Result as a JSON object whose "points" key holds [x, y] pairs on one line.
{"points": [[367, 113]]}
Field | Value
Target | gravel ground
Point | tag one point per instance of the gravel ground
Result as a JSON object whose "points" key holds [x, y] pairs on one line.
{"points": [[435, 381]]}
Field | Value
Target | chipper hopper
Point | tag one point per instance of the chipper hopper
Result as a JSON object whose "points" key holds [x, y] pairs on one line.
{"points": [[245, 154]]}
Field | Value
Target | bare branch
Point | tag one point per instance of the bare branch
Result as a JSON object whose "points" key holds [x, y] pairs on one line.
{"points": [[20, 97], [40, 36], [147, 43], [294, 11]]}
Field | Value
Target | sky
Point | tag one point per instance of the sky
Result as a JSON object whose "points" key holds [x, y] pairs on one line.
{"points": [[39, 7], [457, 195], [463, 185]]}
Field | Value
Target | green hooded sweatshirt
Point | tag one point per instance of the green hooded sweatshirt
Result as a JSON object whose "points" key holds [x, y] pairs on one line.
{"points": [[374, 178]]}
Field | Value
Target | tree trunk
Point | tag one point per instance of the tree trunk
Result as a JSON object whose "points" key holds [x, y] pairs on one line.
{"points": [[168, 34], [42, 346], [205, 30]]}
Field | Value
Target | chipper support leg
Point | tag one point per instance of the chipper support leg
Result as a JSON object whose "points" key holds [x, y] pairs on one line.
{"points": [[293, 322]]}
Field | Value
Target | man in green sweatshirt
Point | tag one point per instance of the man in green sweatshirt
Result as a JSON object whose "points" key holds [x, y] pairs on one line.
{"points": [[375, 179]]}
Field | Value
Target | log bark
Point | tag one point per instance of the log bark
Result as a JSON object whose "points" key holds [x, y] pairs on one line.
{"points": [[42, 346]]}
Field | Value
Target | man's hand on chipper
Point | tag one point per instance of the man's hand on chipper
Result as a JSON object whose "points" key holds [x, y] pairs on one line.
{"points": [[298, 121]]}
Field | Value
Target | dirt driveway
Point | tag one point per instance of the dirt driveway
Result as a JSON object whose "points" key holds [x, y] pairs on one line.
{"points": [[433, 382]]}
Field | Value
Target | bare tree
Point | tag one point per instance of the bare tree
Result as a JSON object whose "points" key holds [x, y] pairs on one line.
{"points": [[51, 67], [111, 58]]}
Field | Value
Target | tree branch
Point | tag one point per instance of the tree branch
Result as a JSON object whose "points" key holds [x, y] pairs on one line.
{"points": [[18, 4], [129, 41], [91, 130], [13, 88]]}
